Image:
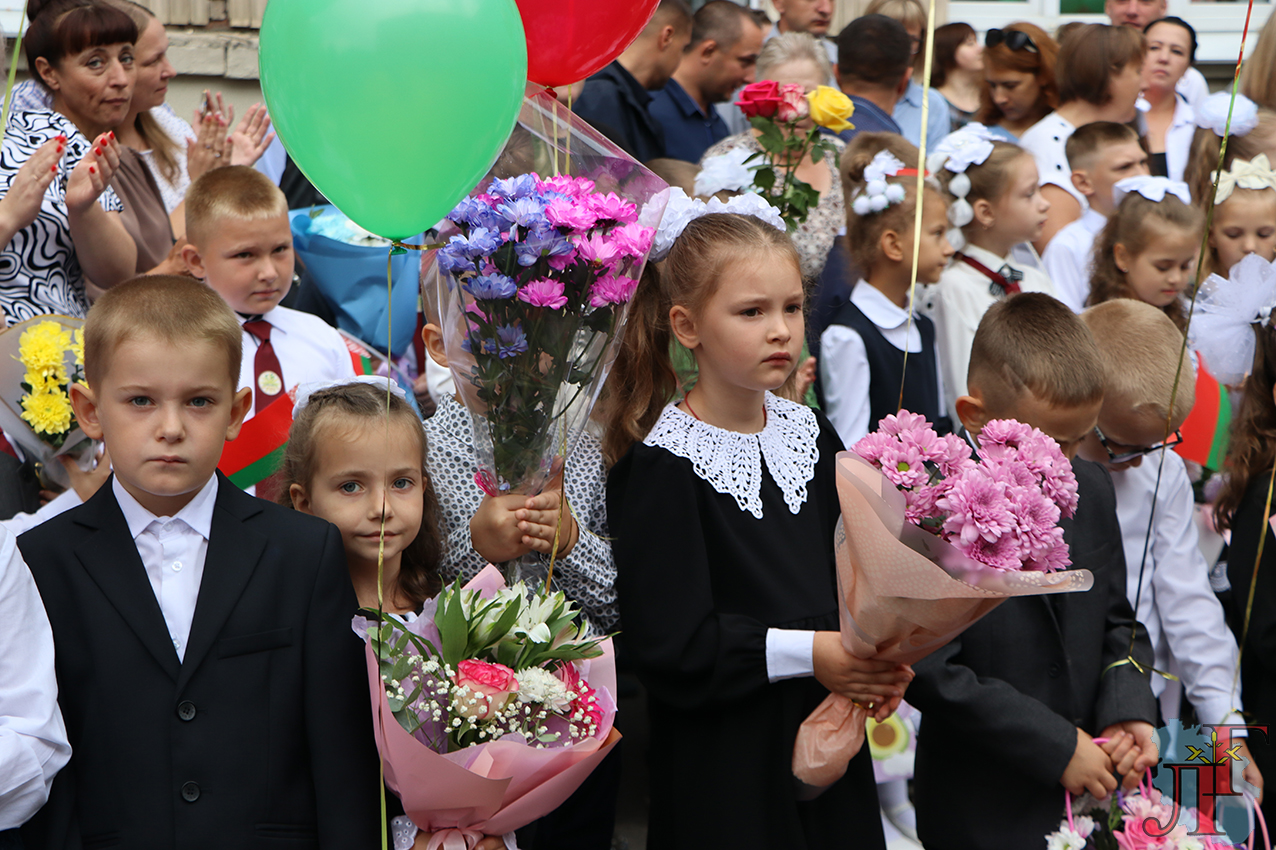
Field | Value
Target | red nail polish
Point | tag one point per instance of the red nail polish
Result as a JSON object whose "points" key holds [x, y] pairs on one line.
{"points": [[92, 170], [97, 151], [112, 135], [54, 169]]}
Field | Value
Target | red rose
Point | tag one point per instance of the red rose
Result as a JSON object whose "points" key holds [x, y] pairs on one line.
{"points": [[760, 98], [490, 686]]}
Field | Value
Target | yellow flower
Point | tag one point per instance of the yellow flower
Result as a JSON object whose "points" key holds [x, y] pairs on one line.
{"points": [[42, 349], [47, 412], [830, 108], [77, 346]]}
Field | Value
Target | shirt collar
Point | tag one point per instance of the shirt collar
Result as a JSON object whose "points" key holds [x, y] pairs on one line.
{"points": [[272, 318], [868, 106], [197, 514], [1092, 220], [686, 103], [876, 307], [631, 82], [988, 258], [913, 94]]}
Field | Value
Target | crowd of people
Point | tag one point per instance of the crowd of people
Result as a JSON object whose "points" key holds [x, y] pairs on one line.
{"points": [[177, 666]]}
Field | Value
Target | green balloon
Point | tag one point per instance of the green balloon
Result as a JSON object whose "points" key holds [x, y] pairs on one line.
{"points": [[394, 109]]}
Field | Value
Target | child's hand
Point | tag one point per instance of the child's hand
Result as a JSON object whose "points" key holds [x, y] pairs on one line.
{"points": [[1131, 748], [494, 531], [1090, 769], [538, 518], [877, 683]]}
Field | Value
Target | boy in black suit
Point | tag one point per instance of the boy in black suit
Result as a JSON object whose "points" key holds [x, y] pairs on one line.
{"points": [[1010, 709], [214, 693]]}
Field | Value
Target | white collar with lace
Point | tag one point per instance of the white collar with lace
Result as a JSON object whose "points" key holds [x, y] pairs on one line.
{"points": [[731, 462]]}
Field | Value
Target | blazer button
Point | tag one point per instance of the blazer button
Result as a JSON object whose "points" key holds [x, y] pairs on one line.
{"points": [[1055, 670], [190, 792], [186, 710]]}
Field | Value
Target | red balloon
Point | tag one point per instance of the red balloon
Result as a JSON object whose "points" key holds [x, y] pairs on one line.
{"points": [[567, 40]]}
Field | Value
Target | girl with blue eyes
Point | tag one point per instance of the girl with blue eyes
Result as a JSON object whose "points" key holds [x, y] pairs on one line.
{"points": [[346, 463]]}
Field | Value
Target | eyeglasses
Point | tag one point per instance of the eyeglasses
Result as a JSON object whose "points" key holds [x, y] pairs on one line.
{"points": [[1013, 39], [1113, 457]]}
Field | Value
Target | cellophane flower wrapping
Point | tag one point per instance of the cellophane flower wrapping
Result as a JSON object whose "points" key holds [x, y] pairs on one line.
{"points": [[540, 264], [39, 359], [490, 708], [915, 565]]}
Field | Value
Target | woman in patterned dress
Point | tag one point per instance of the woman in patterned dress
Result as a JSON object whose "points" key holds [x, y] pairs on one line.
{"points": [[82, 51]]}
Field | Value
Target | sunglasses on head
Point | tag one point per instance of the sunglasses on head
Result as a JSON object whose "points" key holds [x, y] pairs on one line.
{"points": [[1013, 39], [1113, 457]]}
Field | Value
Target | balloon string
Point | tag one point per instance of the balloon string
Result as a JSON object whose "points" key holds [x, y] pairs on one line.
{"points": [[568, 162], [921, 191], [554, 147], [13, 71]]}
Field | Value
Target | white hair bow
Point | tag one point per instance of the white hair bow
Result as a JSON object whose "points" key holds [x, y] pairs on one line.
{"points": [[1153, 188], [1225, 309], [877, 194], [305, 391], [682, 210], [971, 145], [1253, 174], [725, 171], [1212, 114]]}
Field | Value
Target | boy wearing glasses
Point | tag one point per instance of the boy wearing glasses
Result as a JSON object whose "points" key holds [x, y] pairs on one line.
{"points": [[1140, 348]]}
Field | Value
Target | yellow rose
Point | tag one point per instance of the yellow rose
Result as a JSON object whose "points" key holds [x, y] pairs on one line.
{"points": [[830, 108], [47, 413]]}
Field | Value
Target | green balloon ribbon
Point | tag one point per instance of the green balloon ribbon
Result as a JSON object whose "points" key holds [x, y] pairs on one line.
{"points": [[394, 109]]}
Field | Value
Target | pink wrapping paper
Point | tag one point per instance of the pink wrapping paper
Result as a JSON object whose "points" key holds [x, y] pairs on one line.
{"points": [[491, 788], [904, 594]]}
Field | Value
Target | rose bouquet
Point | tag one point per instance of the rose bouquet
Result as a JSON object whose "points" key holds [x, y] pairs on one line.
{"points": [[930, 540], [778, 112], [1124, 821], [491, 707], [534, 285], [39, 360]]}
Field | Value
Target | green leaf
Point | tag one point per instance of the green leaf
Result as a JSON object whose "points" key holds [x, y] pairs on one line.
{"points": [[765, 179], [817, 153], [453, 633]]}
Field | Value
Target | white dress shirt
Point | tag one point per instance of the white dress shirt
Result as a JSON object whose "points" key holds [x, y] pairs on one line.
{"points": [[1193, 87], [1183, 617], [1046, 141], [309, 349], [1178, 137], [21, 523], [844, 370], [33, 743], [957, 304], [1069, 257], [173, 550]]}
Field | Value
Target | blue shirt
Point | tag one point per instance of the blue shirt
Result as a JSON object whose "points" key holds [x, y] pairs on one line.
{"points": [[688, 131], [868, 118], [908, 115]]}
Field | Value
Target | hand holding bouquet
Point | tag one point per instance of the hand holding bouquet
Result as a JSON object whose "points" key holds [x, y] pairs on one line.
{"points": [[788, 121]]}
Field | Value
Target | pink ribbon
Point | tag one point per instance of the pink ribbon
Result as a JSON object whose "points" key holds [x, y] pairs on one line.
{"points": [[454, 839]]}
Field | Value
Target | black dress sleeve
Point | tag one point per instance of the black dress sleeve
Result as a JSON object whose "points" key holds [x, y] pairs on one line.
{"points": [[1248, 526], [689, 654]]}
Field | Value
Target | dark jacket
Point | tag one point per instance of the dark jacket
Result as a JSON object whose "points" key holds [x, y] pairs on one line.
{"points": [[261, 738], [1001, 704], [613, 99]]}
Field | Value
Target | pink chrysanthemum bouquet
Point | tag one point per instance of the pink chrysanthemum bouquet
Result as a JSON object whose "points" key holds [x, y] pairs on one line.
{"points": [[930, 540]]}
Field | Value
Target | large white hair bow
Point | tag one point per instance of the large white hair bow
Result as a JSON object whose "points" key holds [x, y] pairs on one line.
{"points": [[1255, 174], [877, 194], [725, 171], [971, 145], [1153, 188], [305, 391], [1225, 309], [1212, 114], [682, 210]]}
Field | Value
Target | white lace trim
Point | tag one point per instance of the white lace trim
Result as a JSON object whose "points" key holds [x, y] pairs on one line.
{"points": [[732, 462]]}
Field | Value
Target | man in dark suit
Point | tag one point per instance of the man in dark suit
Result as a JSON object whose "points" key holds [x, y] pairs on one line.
{"points": [[213, 692], [617, 99], [1011, 707]]}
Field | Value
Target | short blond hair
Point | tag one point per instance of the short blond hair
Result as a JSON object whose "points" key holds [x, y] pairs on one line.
{"points": [[235, 191], [175, 309], [1032, 342], [1143, 353]]}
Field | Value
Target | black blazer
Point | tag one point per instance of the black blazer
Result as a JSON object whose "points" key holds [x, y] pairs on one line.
{"points": [[262, 738], [1000, 704], [19, 487]]}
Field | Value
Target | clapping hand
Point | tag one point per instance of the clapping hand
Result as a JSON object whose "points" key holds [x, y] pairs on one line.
{"points": [[251, 137], [21, 203], [93, 173]]}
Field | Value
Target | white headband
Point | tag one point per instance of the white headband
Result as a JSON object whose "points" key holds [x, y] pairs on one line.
{"points": [[877, 194], [1212, 114], [681, 211], [305, 391], [1225, 309], [1253, 174], [1153, 188], [971, 145]]}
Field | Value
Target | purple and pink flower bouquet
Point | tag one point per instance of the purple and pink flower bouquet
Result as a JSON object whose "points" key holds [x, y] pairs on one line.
{"points": [[490, 708], [1131, 820], [929, 541], [535, 281]]}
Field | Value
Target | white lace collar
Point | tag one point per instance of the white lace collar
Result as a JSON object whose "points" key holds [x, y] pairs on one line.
{"points": [[732, 462]]}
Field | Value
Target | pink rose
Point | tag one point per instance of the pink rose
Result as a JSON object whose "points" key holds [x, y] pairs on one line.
{"points": [[793, 103], [490, 685], [760, 98]]}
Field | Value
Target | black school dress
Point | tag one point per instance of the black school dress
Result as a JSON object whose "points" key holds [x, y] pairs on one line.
{"points": [[718, 537]]}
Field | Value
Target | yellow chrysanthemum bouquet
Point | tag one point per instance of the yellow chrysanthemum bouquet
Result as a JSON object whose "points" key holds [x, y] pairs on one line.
{"points": [[35, 404]]}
